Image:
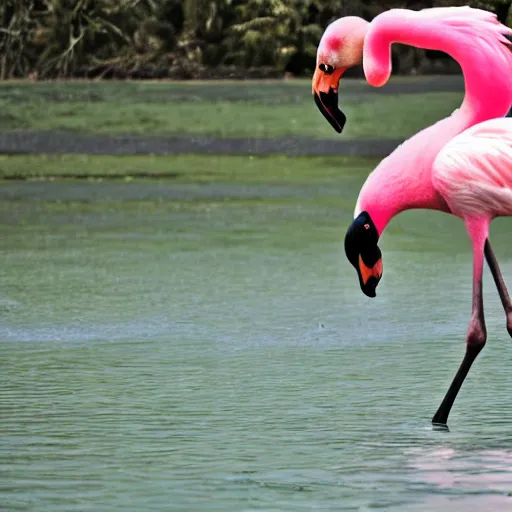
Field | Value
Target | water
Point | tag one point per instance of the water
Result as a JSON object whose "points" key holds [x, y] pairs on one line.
{"points": [[218, 355]]}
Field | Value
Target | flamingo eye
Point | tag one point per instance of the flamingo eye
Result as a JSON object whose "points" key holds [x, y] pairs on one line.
{"points": [[326, 68]]}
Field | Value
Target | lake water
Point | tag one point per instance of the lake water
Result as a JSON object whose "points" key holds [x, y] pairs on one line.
{"points": [[205, 354]]}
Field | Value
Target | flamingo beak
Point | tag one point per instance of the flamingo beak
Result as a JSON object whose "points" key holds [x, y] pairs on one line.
{"points": [[325, 92], [369, 276]]}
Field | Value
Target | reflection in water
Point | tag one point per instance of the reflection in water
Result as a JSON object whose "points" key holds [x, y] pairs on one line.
{"points": [[158, 357], [457, 470], [493, 503]]}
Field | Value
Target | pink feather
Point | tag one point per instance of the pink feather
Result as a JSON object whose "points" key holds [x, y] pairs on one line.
{"points": [[473, 172]]}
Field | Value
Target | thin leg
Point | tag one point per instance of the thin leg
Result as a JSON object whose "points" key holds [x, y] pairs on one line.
{"points": [[476, 335], [500, 283], [441, 416]]}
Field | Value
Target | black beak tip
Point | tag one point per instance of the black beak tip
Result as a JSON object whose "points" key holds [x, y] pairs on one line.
{"points": [[370, 292], [339, 128], [328, 106], [369, 289]]}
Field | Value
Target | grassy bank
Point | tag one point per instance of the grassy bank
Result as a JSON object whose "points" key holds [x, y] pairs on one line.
{"points": [[185, 168], [272, 109]]}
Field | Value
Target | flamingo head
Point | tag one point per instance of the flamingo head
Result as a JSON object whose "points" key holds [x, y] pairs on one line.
{"points": [[340, 48], [364, 253]]}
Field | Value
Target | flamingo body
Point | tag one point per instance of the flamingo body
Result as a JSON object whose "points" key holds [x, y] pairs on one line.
{"points": [[462, 165], [473, 172]]}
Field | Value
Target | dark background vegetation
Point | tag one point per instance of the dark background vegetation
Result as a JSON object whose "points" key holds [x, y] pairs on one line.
{"points": [[44, 39]]}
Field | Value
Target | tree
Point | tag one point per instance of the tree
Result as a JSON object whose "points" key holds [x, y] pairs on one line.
{"points": [[60, 38], [16, 23]]}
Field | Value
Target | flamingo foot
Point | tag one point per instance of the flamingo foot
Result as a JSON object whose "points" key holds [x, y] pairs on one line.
{"points": [[440, 427]]}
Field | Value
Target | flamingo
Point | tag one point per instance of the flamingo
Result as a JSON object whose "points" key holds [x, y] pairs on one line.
{"points": [[461, 165]]}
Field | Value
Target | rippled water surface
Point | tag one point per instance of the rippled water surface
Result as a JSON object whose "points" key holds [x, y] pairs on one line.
{"points": [[218, 355]]}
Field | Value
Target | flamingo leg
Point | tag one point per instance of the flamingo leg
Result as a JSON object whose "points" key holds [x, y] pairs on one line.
{"points": [[476, 335], [500, 283]]}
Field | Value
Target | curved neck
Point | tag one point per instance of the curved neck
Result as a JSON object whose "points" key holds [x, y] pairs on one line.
{"points": [[403, 180], [474, 38]]}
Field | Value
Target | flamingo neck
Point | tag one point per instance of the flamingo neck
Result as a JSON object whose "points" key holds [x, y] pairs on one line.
{"points": [[474, 38], [403, 180]]}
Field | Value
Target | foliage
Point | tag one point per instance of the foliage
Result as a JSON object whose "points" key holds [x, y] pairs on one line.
{"points": [[153, 38]]}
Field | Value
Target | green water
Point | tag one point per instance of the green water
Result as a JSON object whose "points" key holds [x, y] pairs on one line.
{"points": [[207, 354]]}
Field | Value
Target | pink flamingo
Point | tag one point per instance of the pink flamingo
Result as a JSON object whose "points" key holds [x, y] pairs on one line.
{"points": [[446, 167]]}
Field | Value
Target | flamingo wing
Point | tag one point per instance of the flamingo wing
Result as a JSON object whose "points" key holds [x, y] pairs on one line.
{"points": [[473, 172]]}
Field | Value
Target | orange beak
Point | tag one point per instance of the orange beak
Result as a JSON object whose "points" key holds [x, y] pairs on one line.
{"points": [[367, 272], [325, 92], [370, 276]]}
